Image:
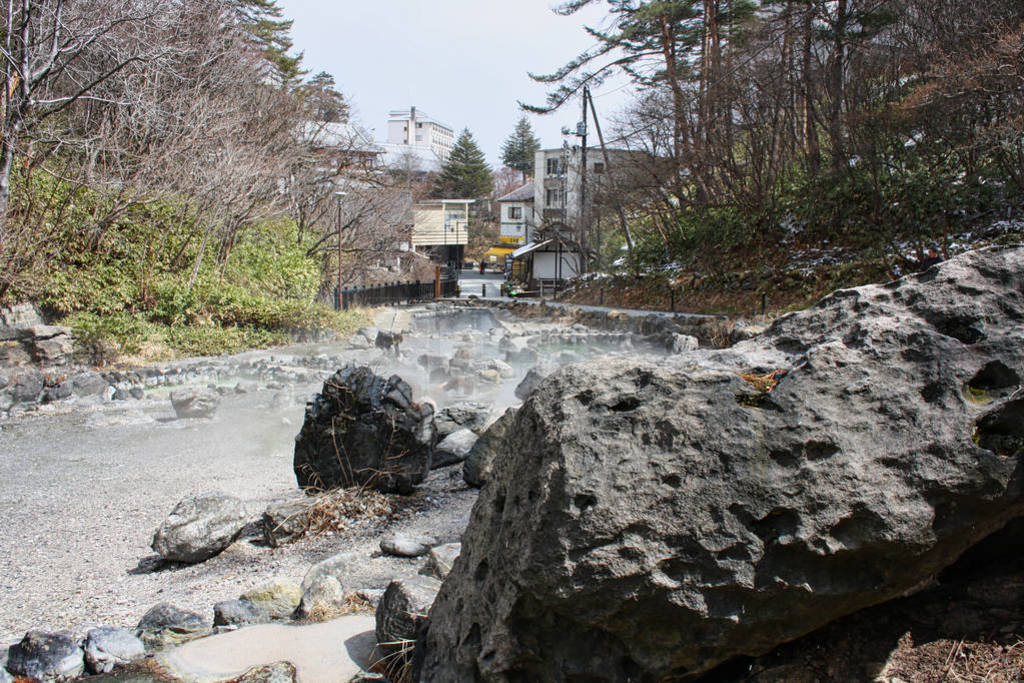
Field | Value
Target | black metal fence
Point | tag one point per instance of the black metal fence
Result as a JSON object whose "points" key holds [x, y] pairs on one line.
{"points": [[395, 293]]}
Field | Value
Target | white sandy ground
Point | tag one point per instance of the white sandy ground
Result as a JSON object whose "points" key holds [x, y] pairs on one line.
{"points": [[321, 653]]}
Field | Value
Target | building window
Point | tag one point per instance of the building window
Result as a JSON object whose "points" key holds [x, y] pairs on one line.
{"points": [[599, 167], [419, 125], [554, 166], [515, 212], [555, 196]]}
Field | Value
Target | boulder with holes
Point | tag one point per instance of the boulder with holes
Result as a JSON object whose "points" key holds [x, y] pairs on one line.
{"points": [[652, 521], [362, 429]]}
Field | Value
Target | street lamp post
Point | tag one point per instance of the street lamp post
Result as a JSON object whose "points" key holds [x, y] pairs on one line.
{"points": [[339, 195]]}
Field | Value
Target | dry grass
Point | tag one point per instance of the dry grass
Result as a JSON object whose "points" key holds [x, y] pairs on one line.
{"points": [[764, 383], [396, 666], [352, 604], [956, 660], [336, 510]]}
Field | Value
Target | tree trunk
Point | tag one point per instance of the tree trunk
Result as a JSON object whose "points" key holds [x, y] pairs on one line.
{"points": [[837, 77], [810, 131]]}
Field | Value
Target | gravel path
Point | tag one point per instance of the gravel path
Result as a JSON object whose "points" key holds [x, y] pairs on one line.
{"points": [[83, 489], [82, 494]]}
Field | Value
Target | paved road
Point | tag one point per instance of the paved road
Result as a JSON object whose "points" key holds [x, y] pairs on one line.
{"points": [[472, 283]]}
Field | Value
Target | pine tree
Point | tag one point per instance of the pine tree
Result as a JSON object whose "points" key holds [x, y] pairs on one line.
{"points": [[262, 18], [322, 99], [519, 149], [465, 175]]}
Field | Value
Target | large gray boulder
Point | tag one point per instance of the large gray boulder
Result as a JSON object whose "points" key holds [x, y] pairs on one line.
{"points": [[365, 430], [199, 527], [652, 521], [476, 469]]}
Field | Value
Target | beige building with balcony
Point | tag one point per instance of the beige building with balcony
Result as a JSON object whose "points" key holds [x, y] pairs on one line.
{"points": [[441, 226]]}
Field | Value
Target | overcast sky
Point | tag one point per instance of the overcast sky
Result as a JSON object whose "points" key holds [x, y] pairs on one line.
{"points": [[463, 62]]}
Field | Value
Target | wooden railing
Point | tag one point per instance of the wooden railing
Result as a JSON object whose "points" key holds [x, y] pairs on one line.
{"points": [[396, 293]]}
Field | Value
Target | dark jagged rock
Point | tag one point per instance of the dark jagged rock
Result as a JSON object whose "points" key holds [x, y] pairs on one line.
{"points": [[46, 656], [652, 521], [365, 430], [533, 378]]}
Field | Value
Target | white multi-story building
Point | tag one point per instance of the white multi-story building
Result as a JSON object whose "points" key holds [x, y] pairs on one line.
{"points": [[415, 128], [516, 217]]}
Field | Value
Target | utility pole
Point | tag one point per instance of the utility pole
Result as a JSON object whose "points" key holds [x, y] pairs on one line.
{"points": [[339, 196], [607, 169], [581, 130]]}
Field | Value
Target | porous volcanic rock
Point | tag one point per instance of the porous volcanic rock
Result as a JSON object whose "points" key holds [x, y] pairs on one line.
{"points": [[652, 521], [365, 430]]}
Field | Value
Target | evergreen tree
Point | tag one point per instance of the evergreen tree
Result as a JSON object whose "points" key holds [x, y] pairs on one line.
{"points": [[262, 18], [520, 147], [465, 175], [322, 99]]}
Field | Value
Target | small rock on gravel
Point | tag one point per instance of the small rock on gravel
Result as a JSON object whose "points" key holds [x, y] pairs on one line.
{"points": [[402, 612], [200, 527], [108, 647], [278, 672], [238, 613], [188, 403], [165, 625], [322, 600], [454, 448], [284, 522], [337, 566], [405, 546], [278, 597], [46, 656], [441, 559]]}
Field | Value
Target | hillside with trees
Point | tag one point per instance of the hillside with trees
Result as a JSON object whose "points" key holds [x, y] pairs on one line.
{"points": [[806, 144], [162, 185]]}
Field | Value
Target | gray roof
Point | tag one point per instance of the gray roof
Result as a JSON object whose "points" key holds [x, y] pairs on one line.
{"points": [[520, 194]]}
